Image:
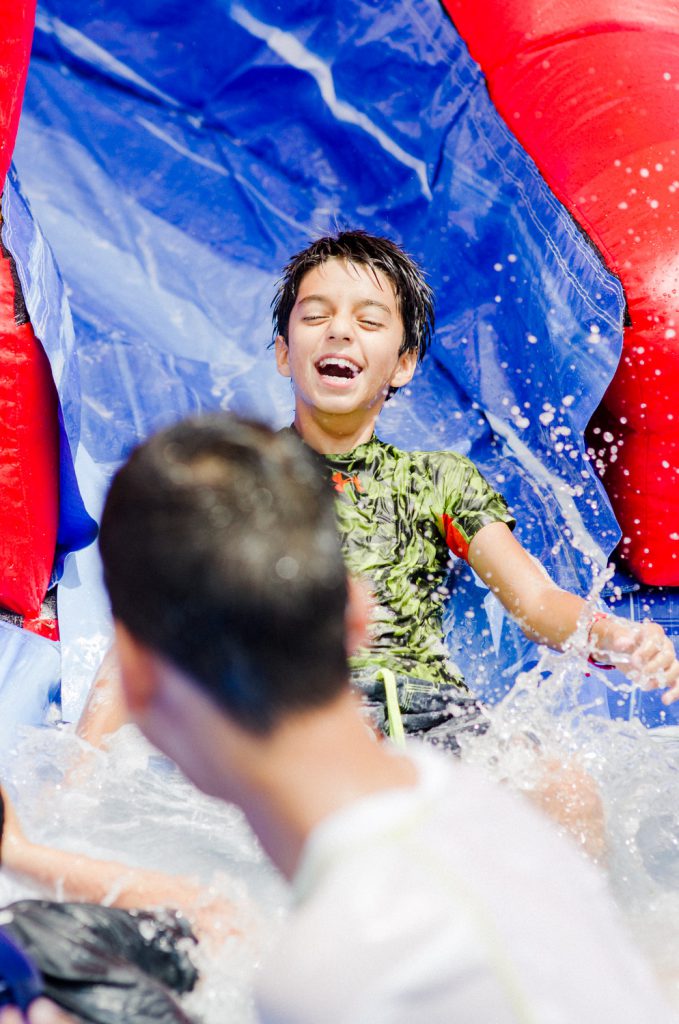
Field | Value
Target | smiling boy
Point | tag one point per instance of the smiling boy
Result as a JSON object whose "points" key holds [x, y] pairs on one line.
{"points": [[352, 315]]}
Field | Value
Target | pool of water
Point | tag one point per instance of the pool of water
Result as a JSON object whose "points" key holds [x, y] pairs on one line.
{"points": [[128, 803], [556, 712]]}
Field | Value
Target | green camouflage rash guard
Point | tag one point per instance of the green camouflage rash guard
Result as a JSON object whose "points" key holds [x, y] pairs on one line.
{"points": [[400, 516]]}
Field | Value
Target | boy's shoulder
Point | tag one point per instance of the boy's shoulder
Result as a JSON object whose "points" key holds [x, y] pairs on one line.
{"points": [[441, 473], [434, 463]]}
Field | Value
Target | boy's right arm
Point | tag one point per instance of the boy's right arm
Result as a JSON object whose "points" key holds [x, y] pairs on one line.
{"points": [[86, 879]]}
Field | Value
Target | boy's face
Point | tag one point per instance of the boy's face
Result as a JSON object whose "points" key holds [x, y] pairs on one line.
{"points": [[344, 336]]}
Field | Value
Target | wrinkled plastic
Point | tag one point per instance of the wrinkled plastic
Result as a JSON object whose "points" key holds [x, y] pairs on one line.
{"points": [[106, 965], [29, 441], [29, 455], [590, 89], [16, 33], [30, 673], [177, 156]]}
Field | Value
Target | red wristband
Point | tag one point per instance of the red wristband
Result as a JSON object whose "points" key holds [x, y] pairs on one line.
{"points": [[597, 617]]}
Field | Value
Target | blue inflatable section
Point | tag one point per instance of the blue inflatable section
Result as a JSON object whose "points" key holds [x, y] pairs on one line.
{"points": [[176, 155]]}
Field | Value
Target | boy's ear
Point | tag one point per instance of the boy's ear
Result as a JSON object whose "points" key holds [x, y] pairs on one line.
{"points": [[358, 614], [138, 671], [282, 355], [407, 364]]}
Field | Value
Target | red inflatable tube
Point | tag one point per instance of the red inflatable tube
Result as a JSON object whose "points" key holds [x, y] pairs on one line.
{"points": [[29, 456], [17, 18], [29, 435], [591, 90]]}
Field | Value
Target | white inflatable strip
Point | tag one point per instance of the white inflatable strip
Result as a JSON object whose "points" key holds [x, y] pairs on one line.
{"points": [[580, 539], [96, 55], [293, 52]]}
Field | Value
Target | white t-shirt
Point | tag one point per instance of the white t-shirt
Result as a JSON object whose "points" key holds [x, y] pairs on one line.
{"points": [[452, 902]]}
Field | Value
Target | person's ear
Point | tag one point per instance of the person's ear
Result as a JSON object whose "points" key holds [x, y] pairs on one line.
{"points": [[138, 671], [358, 614], [282, 356], [405, 368]]}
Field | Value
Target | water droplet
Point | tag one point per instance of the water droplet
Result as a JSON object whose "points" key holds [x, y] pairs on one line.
{"points": [[287, 567]]}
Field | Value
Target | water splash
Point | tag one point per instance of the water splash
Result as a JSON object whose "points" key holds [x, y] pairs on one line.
{"points": [[130, 804], [558, 713]]}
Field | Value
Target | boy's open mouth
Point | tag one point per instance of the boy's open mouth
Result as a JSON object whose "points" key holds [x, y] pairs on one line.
{"points": [[338, 367]]}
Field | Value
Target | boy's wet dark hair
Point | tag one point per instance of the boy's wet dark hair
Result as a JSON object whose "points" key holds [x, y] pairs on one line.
{"points": [[415, 297], [221, 553]]}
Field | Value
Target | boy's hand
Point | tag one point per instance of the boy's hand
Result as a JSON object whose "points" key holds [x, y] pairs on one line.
{"points": [[42, 1011], [642, 650]]}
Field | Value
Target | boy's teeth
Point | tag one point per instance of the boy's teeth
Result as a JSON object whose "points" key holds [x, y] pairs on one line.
{"points": [[338, 367]]}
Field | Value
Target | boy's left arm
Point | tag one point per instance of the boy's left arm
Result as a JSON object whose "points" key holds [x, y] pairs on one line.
{"points": [[550, 615]]}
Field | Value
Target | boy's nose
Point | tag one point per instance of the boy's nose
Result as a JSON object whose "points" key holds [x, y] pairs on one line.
{"points": [[340, 328]]}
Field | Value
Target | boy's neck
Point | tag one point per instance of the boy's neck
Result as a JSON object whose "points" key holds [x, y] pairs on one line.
{"points": [[330, 434]]}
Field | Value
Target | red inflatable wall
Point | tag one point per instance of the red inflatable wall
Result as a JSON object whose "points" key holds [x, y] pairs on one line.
{"points": [[591, 90], [29, 437]]}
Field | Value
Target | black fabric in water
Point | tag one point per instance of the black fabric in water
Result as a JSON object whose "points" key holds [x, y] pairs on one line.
{"points": [[104, 965]]}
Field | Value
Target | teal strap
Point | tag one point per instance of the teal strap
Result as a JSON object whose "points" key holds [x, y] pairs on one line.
{"points": [[396, 732]]}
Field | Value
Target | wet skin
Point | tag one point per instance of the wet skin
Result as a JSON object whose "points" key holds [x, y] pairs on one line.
{"points": [[343, 347]]}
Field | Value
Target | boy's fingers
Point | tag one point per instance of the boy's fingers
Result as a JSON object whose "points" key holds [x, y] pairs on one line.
{"points": [[671, 695], [653, 647], [671, 681], [659, 669]]}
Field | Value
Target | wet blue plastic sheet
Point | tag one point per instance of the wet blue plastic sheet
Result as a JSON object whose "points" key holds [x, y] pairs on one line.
{"points": [[30, 672], [176, 155]]}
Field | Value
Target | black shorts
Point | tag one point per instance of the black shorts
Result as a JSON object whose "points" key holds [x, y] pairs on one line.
{"points": [[437, 715]]}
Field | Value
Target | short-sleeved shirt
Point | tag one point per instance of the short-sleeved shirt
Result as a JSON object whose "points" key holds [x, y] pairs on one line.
{"points": [[400, 516]]}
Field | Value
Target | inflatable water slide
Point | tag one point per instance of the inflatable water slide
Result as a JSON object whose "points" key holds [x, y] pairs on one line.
{"points": [[171, 157]]}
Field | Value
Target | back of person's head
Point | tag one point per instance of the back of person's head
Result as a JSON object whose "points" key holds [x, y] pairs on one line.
{"points": [[221, 554], [415, 297]]}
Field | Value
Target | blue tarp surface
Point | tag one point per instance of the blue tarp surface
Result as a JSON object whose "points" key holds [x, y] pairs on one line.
{"points": [[176, 155]]}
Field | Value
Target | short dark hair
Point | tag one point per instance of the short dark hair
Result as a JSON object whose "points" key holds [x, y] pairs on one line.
{"points": [[415, 297], [221, 553]]}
